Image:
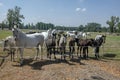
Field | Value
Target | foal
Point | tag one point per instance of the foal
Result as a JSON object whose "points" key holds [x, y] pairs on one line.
{"points": [[72, 46], [62, 45], [9, 45], [83, 44]]}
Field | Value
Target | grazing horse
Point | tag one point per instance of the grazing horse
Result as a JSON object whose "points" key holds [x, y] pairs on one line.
{"points": [[62, 45], [27, 41], [99, 40], [10, 46], [72, 46], [83, 44], [50, 44]]}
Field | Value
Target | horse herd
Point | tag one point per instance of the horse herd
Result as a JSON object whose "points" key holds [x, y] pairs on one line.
{"points": [[54, 41]]}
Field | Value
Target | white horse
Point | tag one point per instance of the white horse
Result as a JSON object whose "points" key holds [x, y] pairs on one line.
{"points": [[47, 34], [54, 31], [69, 34], [27, 41], [84, 34]]}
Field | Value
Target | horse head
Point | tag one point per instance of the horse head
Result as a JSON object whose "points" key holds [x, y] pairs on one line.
{"points": [[104, 38], [49, 31], [91, 42], [16, 33]]}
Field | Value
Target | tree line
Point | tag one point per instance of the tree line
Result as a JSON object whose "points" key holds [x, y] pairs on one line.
{"points": [[14, 17]]}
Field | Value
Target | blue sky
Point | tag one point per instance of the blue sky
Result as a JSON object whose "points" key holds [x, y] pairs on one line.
{"points": [[63, 12]]}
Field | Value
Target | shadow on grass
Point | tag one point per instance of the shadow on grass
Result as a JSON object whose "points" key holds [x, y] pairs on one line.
{"points": [[110, 55]]}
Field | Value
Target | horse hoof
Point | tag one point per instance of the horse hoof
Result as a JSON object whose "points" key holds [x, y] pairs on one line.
{"points": [[21, 64]]}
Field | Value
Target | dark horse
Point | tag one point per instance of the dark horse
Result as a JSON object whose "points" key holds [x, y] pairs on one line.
{"points": [[83, 44], [99, 40], [50, 44], [72, 46]]}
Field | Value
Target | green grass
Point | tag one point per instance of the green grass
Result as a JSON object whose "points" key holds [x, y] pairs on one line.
{"points": [[5, 33], [111, 47]]}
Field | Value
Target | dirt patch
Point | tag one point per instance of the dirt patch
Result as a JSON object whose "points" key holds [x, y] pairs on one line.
{"points": [[75, 69]]}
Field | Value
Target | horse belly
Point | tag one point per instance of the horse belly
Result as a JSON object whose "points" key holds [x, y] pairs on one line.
{"points": [[30, 43]]}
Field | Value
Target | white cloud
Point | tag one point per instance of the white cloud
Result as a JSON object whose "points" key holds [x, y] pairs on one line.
{"points": [[1, 4], [78, 9], [84, 9]]}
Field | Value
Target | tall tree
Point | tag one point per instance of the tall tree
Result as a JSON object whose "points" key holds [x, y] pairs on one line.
{"points": [[10, 18], [14, 17], [17, 16], [95, 27], [112, 23], [80, 28]]}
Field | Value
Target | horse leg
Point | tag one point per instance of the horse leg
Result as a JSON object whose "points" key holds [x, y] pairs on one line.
{"points": [[37, 53], [77, 50], [50, 51], [98, 52], [87, 52], [54, 52], [41, 51], [84, 52], [73, 51], [70, 51], [61, 51], [47, 52], [64, 52], [80, 51], [11, 54], [21, 56]]}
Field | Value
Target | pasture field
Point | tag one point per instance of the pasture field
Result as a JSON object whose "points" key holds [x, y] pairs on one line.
{"points": [[107, 68], [109, 50]]}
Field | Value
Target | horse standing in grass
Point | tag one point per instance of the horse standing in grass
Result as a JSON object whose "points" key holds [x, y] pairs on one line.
{"points": [[72, 47], [99, 40], [83, 44], [50, 44], [27, 41], [62, 45], [10, 46], [58, 40]]}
